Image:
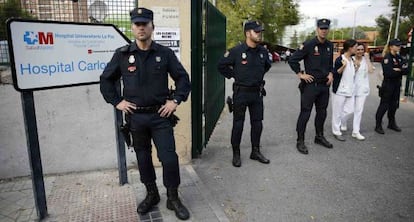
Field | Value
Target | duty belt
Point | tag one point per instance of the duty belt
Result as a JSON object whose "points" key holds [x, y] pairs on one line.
{"points": [[240, 88], [147, 109]]}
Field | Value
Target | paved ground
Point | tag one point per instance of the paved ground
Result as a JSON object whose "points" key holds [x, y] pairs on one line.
{"points": [[371, 180]]}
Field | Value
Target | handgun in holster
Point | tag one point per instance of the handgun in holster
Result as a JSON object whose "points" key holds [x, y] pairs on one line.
{"points": [[262, 89], [380, 90], [126, 133], [229, 102], [301, 86], [172, 118]]}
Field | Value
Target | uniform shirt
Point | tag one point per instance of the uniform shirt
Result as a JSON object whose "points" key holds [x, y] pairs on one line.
{"points": [[144, 75], [393, 61], [246, 65], [317, 56]]}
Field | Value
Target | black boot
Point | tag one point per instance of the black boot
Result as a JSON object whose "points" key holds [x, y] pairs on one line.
{"points": [[393, 125], [174, 203], [300, 145], [320, 139], [256, 155], [236, 156], [379, 129], [152, 198]]}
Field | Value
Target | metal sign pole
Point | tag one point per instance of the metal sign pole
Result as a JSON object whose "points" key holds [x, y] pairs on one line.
{"points": [[122, 168], [34, 153]]}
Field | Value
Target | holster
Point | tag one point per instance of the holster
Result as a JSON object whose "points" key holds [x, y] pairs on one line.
{"points": [[380, 91], [262, 89], [126, 133], [229, 102], [173, 119]]}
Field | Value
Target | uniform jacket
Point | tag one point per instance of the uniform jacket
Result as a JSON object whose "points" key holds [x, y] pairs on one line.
{"points": [[145, 82], [361, 79], [317, 56], [393, 61], [246, 65], [343, 84]]}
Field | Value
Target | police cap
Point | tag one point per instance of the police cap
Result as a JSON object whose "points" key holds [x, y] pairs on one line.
{"points": [[255, 25], [395, 42], [141, 15], [323, 23]]}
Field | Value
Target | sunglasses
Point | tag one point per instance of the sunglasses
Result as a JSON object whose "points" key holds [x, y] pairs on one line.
{"points": [[323, 28], [257, 31]]}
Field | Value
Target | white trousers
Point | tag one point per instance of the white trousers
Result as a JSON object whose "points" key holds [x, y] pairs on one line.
{"points": [[338, 107], [356, 106]]}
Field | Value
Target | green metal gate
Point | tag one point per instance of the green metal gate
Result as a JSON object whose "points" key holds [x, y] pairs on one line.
{"points": [[215, 40], [207, 84]]}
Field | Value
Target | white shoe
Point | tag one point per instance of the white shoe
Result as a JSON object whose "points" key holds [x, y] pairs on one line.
{"points": [[343, 128], [358, 136]]}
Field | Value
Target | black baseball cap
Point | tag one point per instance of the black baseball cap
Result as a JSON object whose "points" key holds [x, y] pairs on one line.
{"points": [[255, 25], [396, 42], [141, 15], [323, 23]]}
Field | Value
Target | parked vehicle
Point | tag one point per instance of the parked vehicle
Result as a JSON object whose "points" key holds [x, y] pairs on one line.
{"points": [[276, 57]]}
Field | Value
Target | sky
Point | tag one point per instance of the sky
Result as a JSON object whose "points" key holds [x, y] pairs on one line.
{"points": [[343, 11]]}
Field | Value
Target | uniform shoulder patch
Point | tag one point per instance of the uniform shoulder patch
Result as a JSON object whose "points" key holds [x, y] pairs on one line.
{"points": [[226, 54], [385, 61], [301, 46]]}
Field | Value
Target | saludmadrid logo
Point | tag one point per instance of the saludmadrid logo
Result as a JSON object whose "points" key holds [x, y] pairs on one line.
{"points": [[38, 40]]}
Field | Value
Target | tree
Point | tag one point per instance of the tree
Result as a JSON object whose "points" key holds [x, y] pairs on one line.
{"points": [[406, 21], [294, 43], [9, 9], [275, 15]]}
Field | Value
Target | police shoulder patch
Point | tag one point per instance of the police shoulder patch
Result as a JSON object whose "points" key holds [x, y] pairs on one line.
{"points": [[226, 54], [385, 61]]}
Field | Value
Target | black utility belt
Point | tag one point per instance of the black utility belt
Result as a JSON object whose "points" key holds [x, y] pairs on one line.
{"points": [[147, 109], [239, 88], [392, 80]]}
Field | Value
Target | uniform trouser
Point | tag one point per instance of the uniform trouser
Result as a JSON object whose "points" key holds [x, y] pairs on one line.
{"points": [[338, 107], [147, 126], [313, 93], [254, 101], [356, 107], [390, 97]]}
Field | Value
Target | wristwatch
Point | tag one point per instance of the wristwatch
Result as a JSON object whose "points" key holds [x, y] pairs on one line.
{"points": [[176, 101]]}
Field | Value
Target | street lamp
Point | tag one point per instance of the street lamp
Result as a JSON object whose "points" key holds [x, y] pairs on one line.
{"points": [[355, 12]]}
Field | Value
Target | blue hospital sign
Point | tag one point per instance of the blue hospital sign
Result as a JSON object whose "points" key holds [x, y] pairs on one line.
{"points": [[46, 54]]}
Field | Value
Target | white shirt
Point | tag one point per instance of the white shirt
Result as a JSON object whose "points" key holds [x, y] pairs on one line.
{"points": [[346, 86], [361, 79]]}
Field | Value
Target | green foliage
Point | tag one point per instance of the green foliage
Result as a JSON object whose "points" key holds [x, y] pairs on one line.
{"points": [[9, 9], [406, 21], [275, 15]]}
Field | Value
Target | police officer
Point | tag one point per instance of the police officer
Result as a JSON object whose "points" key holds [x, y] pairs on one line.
{"points": [[393, 67], [144, 66], [317, 54], [247, 63]]}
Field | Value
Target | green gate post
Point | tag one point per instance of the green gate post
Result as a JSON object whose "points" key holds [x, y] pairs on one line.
{"points": [[196, 78]]}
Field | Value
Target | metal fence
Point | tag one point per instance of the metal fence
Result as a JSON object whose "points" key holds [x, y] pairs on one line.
{"points": [[89, 11]]}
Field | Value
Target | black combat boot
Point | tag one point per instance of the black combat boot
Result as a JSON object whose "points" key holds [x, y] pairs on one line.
{"points": [[379, 129], [152, 198], [236, 156], [174, 203], [256, 155], [393, 125], [320, 139], [300, 145]]}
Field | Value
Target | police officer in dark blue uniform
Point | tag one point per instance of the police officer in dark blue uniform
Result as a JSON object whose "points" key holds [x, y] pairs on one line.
{"points": [[317, 54], [144, 67], [247, 63], [393, 67]]}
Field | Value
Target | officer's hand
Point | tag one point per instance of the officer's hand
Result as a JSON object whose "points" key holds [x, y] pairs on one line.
{"points": [[308, 78], [126, 106], [167, 109], [330, 79]]}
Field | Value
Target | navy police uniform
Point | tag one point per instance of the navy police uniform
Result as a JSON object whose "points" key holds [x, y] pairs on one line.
{"points": [[390, 88], [247, 66], [145, 83], [318, 61]]}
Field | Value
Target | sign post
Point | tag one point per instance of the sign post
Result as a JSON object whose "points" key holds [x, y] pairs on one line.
{"points": [[49, 54]]}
